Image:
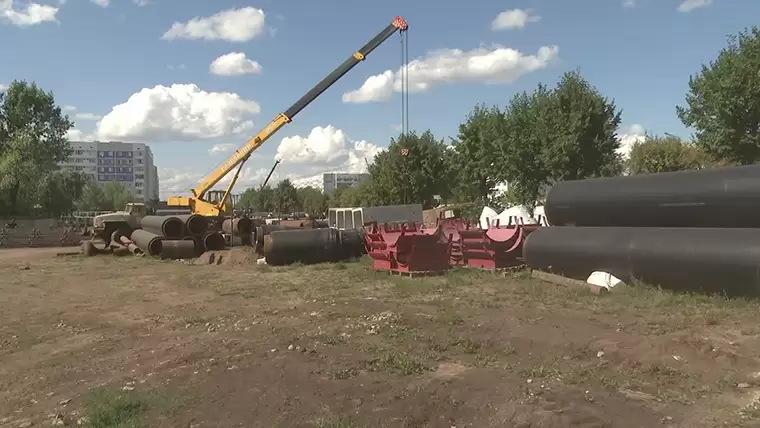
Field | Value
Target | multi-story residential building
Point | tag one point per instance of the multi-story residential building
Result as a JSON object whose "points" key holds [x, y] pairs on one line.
{"points": [[130, 164], [340, 180]]}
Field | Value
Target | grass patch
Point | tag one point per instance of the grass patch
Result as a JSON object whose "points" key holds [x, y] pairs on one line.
{"points": [[332, 422], [539, 371], [398, 362], [108, 408]]}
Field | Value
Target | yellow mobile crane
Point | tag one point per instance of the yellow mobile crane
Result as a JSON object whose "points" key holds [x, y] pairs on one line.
{"points": [[199, 204]]}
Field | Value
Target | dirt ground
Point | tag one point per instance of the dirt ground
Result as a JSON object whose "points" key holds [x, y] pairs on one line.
{"points": [[112, 342]]}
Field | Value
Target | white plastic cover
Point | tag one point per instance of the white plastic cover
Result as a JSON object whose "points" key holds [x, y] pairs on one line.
{"points": [[488, 214], [518, 214], [603, 279]]}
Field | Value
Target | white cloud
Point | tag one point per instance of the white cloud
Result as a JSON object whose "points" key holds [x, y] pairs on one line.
{"points": [[487, 65], [88, 116], [75, 134], [28, 14], [178, 181], [221, 148], [628, 4], [102, 3], [233, 25], [176, 67], [141, 3], [689, 5], [234, 64], [178, 112], [635, 134], [80, 115], [513, 19], [3, 87], [327, 147]]}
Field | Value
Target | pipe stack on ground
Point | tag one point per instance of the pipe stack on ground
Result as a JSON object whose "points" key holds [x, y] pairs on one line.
{"points": [[149, 243], [265, 229], [691, 230], [170, 227], [241, 227], [283, 247]]}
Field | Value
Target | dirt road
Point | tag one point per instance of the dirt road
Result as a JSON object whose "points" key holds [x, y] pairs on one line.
{"points": [[129, 342]]}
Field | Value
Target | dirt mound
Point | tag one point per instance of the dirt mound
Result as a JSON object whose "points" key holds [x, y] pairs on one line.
{"points": [[234, 256]]}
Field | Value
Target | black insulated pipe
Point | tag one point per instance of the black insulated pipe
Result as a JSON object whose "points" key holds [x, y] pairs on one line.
{"points": [[283, 247], [195, 224], [237, 226], [718, 197], [724, 261], [149, 243], [170, 227], [214, 241], [176, 250], [266, 229]]}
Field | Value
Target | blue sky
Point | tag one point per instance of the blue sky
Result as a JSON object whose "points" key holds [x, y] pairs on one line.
{"points": [[96, 54]]}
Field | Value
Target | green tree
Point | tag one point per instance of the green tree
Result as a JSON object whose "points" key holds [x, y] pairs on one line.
{"points": [[59, 190], [93, 198], [664, 154], [567, 133], [723, 103], [412, 170], [32, 141], [286, 197], [472, 165], [312, 201], [360, 195], [116, 195]]}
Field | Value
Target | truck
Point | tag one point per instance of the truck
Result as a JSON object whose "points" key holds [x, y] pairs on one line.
{"points": [[123, 222]]}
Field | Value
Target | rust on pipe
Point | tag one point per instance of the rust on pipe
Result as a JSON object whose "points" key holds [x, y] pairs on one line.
{"points": [[195, 224], [149, 243], [178, 249], [170, 227], [214, 241], [237, 226], [124, 240]]}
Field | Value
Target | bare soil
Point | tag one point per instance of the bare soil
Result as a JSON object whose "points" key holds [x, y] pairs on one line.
{"points": [[134, 342]]}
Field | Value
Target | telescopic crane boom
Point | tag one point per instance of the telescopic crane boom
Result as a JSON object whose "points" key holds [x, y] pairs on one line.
{"points": [[200, 205]]}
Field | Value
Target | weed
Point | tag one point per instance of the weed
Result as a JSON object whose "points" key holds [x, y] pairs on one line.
{"points": [[539, 371], [329, 422], [398, 362], [107, 408], [450, 317]]}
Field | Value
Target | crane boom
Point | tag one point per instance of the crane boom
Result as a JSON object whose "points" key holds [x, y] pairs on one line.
{"points": [[199, 205]]}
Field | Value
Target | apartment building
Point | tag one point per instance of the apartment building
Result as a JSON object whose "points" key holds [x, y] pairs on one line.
{"points": [[130, 164], [340, 180]]}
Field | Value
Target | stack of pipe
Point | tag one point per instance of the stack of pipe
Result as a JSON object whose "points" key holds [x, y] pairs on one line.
{"points": [[239, 228], [690, 230], [287, 246], [176, 237]]}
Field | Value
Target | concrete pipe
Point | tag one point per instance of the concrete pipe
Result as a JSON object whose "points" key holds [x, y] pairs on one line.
{"points": [[170, 227], [197, 241], [237, 226], [150, 243], [195, 225], [214, 241], [178, 249]]}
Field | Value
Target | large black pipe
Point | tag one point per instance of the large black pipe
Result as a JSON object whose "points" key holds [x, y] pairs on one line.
{"points": [[690, 259], [170, 227], [720, 197], [237, 226], [213, 241], [282, 247], [149, 243], [175, 250], [195, 225], [266, 229]]}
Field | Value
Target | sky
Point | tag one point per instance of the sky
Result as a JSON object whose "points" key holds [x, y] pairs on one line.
{"points": [[197, 79]]}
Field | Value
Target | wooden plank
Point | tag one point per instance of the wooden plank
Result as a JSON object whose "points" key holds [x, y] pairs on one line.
{"points": [[568, 282]]}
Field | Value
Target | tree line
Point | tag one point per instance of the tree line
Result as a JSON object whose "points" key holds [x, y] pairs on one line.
{"points": [[565, 132]]}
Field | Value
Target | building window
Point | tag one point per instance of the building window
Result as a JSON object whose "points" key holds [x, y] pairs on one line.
{"points": [[139, 161], [140, 176], [101, 177], [138, 184], [101, 154]]}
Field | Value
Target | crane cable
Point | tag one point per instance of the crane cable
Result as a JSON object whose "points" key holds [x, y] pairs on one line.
{"points": [[404, 77]]}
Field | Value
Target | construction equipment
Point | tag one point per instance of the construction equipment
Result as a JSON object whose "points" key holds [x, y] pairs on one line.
{"points": [[199, 204], [121, 222]]}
